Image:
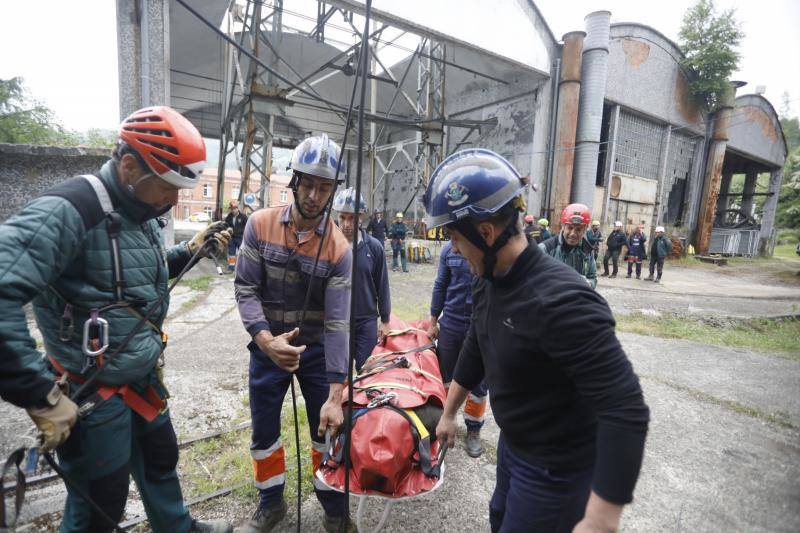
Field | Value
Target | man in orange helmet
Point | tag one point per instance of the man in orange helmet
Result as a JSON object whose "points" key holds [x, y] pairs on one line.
{"points": [[89, 254]]}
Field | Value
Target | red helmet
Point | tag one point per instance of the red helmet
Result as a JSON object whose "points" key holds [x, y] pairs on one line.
{"points": [[576, 214], [169, 144], [528, 218]]}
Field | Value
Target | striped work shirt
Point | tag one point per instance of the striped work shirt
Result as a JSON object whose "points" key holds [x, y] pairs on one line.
{"points": [[273, 273]]}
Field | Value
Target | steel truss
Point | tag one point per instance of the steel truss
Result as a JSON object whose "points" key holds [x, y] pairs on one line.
{"points": [[254, 96]]}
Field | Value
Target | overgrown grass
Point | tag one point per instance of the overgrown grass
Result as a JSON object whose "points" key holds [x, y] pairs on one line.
{"points": [[781, 336], [201, 283], [225, 461], [786, 251]]}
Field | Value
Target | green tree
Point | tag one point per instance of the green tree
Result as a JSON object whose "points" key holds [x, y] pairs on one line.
{"points": [[709, 41], [788, 215], [23, 119]]}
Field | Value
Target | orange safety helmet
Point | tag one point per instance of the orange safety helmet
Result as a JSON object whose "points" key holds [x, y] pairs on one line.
{"points": [[576, 214], [168, 143]]}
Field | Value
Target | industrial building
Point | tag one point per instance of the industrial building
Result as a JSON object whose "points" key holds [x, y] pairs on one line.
{"points": [[601, 116]]}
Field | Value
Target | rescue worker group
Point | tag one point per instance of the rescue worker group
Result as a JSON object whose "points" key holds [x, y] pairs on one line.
{"points": [[514, 319]]}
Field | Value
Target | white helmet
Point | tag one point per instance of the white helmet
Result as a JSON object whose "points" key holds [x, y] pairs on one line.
{"points": [[617, 224], [659, 229], [318, 156], [344, 201]]}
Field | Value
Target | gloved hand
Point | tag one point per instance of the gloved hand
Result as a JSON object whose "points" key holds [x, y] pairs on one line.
{"points": [[219, 232], [55, 420]]}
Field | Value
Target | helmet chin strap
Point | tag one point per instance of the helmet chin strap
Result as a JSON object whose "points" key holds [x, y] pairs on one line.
{"points": [[470, 232], [132, 188]]}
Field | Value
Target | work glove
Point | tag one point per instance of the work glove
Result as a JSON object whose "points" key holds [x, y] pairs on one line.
{"points": [[55, 420], [218, 232]]}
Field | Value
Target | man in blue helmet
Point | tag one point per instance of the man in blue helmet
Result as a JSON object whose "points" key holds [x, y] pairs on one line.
{"points": [[373, 299], [569, 406], [295, 336], [451, 313]]}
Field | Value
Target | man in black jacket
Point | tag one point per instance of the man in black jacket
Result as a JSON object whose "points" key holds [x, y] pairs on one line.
{"points": [[236, 220], [377, 227], [614, 245], [569, 406]]}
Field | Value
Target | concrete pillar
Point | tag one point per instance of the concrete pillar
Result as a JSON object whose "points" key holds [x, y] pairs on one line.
{"points": [[143, 65], [569, 86], [594, 74], [713, 174], [747, 193], [766, 239]]}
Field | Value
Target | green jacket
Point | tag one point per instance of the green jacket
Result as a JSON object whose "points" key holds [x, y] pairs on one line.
{"points": [[49, 257], [579, 257], [661, 247], [398, 230]]}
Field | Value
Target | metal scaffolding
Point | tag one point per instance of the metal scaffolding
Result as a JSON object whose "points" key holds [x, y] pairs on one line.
{"points": [[269, 102]]}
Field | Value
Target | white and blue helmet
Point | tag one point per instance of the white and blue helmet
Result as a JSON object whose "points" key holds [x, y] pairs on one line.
{"points": [[345, 201], [318, 156]]}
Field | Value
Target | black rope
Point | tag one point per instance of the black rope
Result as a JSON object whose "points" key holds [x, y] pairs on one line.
{"points": [[364, 57]]}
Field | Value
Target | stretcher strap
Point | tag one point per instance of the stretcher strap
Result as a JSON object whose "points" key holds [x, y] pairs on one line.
{"points": [[422, 348], [390, 385]]}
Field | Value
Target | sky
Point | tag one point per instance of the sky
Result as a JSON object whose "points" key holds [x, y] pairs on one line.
{"points": [[68, 55]]}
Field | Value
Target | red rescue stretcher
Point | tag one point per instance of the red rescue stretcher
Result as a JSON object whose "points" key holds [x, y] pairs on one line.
{"points": [[398, 398]]}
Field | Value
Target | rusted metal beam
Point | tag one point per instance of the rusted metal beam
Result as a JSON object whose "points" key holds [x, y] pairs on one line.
{"points": [[569, 88], [714, 164]]}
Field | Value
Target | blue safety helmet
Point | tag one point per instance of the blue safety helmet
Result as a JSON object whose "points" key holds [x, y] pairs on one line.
{"points": [[318, 156], [345, 201], [472, 185]]}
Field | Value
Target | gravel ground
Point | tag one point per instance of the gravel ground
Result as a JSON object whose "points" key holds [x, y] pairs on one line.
{"points": [[723, 452]]}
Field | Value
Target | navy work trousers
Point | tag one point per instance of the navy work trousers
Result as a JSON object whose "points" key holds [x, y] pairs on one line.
{"points": [[531, 499], [268, 386]]}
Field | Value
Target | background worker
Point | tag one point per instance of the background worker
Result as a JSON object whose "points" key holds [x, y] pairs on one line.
{"points": [[451, 313], [659, 250], [532, 230], [272, 278], [636, 251], [57, 252], [397, 232], [236, 220], [569, 406], [614, 244], [570, 246], [373, 300], [545, 225], [595, 237], [377, 227]]}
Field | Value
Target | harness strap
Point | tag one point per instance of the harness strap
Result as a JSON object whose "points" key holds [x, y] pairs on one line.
{"points": [[13, 460], [396, 363], [403, 352], [390, 385], [148, 407]]}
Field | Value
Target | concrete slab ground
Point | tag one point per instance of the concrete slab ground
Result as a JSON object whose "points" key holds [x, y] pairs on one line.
{"points": [[723, 452]]}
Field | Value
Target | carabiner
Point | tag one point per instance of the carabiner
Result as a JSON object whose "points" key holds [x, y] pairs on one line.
{"points": [[102, 336], [384, 399]]}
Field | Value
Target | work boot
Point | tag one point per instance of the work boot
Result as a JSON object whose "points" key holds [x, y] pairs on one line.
{"points": [[212, 526], [649, 278], [658, 279], [265, 519], [604, 274], [474, 444], [333, 524], [628, 276], [612, 276], [638, 276]]}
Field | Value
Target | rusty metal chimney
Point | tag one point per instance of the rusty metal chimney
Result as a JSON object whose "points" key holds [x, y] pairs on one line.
{"points": [[569, 87], [714, 163], [590, 115]]}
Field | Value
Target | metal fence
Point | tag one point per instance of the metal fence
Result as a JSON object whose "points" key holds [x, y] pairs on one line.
{"points": [[734, 242]]}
